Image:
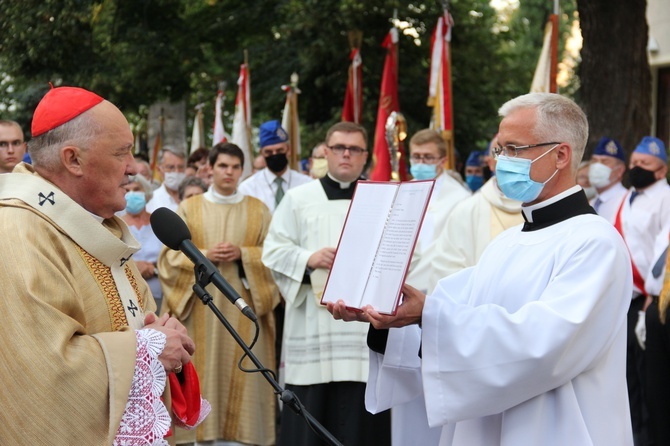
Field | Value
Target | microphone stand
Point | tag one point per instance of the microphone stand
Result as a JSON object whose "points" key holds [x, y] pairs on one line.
{"points": [[202, 279]]}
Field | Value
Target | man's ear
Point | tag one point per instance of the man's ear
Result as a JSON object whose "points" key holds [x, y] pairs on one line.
{"points": [[563, 156], [70, 157]]}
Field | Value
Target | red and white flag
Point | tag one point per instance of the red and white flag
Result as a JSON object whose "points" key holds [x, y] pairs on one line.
{"points": [[439, 90], [219, 132], [291, 120], [544, 79], [242, 119], [353, 97], [388, 102]]}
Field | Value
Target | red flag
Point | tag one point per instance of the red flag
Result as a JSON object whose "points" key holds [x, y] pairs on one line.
{"points": [[439, 92], [353, 97], [388, 102]]}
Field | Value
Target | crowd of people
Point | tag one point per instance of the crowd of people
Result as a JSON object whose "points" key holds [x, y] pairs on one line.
{"points": [[534, 310]]}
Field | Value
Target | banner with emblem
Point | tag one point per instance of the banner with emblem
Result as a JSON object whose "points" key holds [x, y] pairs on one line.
{"points": [[388, 103], [439, 84]]}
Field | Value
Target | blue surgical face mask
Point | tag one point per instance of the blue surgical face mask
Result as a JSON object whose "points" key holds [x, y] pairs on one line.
{"points": [[423, 171], [474, 182], [514, 180], [135, 202]]}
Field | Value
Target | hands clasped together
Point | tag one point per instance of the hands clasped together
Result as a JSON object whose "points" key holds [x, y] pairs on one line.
{"points": [[178, 345]]}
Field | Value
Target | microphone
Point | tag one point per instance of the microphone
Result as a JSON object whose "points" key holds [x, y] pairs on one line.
{"points": [[173, 233]]}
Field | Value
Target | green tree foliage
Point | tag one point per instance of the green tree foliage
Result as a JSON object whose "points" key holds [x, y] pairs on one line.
{"points": [[140, 51]]}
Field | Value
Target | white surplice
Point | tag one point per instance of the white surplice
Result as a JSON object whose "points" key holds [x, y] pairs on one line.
{"points": [[528, 347], [469, 228], [447, 193], [317, 348]]}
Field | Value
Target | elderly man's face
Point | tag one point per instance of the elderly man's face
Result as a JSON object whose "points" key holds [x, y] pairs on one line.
{"points": [[649, 162], [106, 164]]}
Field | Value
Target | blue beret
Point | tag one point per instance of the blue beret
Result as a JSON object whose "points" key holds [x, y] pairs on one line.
{"points": [[652, 146], [610, 147], [271, 132], [476, 158]]}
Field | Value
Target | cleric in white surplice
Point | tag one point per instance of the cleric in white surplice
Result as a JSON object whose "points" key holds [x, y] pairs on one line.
{"points": [[528, 347]]}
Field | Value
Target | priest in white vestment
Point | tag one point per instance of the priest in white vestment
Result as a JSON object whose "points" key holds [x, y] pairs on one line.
{"points": [[326, 361], [469, 228], [427, 153], [528, 347]]}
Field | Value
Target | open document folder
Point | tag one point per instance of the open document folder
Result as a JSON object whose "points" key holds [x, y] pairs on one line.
{"points": [[377, 243]]}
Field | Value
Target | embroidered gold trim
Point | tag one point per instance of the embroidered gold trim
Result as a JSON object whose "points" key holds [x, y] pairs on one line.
{"points": [[103, 277], [133, 282]]}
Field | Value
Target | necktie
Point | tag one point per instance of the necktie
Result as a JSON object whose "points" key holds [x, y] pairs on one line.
{"points": [[279, 194], [660, 264], [597, 204]]}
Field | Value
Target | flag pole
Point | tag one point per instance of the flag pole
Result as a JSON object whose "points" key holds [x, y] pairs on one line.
{"points": [[553, 87], [247, 108]]}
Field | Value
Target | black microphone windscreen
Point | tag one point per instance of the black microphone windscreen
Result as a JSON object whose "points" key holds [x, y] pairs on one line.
{"points": [[169, 228]]}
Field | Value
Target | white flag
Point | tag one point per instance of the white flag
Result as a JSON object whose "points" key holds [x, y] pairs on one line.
{"points": [[219, 132], [197, 138]]}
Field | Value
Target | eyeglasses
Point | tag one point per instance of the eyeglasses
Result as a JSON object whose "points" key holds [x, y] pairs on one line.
{"points": [[339, 149], [4, 145], [173, 168], [424, 159], [511, 151]]}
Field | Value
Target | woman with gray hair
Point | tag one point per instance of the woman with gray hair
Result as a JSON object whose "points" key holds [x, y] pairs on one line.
{"points": [[139, 191]]}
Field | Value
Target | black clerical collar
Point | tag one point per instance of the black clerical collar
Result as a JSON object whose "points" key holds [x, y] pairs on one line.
{"points": [[568, 204], [337, 190]]}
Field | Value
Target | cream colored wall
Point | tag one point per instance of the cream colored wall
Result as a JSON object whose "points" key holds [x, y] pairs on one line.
{"points": [[658, 18]]}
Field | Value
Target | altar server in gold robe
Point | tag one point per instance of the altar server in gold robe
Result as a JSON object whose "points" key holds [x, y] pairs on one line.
{"points": [[229, 228]]}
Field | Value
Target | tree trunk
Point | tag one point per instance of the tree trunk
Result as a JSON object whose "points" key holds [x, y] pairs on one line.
{"points": [[615, 78]]}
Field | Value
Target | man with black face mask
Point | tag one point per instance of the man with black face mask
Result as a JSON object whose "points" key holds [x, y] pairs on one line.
{"points": [[270, 184], [641, 218]]}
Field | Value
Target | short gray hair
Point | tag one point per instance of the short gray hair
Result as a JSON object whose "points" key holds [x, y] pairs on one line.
{"points": [[173, 150], [148, 190], [191, 181], [558, 119], [81, 131]]}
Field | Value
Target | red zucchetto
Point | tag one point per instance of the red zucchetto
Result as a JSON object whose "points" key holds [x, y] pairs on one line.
{"points": [[60, 105]]}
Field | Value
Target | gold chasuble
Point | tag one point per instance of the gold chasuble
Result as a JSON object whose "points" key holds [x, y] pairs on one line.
{"points": [[243, 404], [70, 303]]}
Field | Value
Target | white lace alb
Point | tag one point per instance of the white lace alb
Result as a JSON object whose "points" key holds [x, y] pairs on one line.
{"points": [[146, 420]]}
